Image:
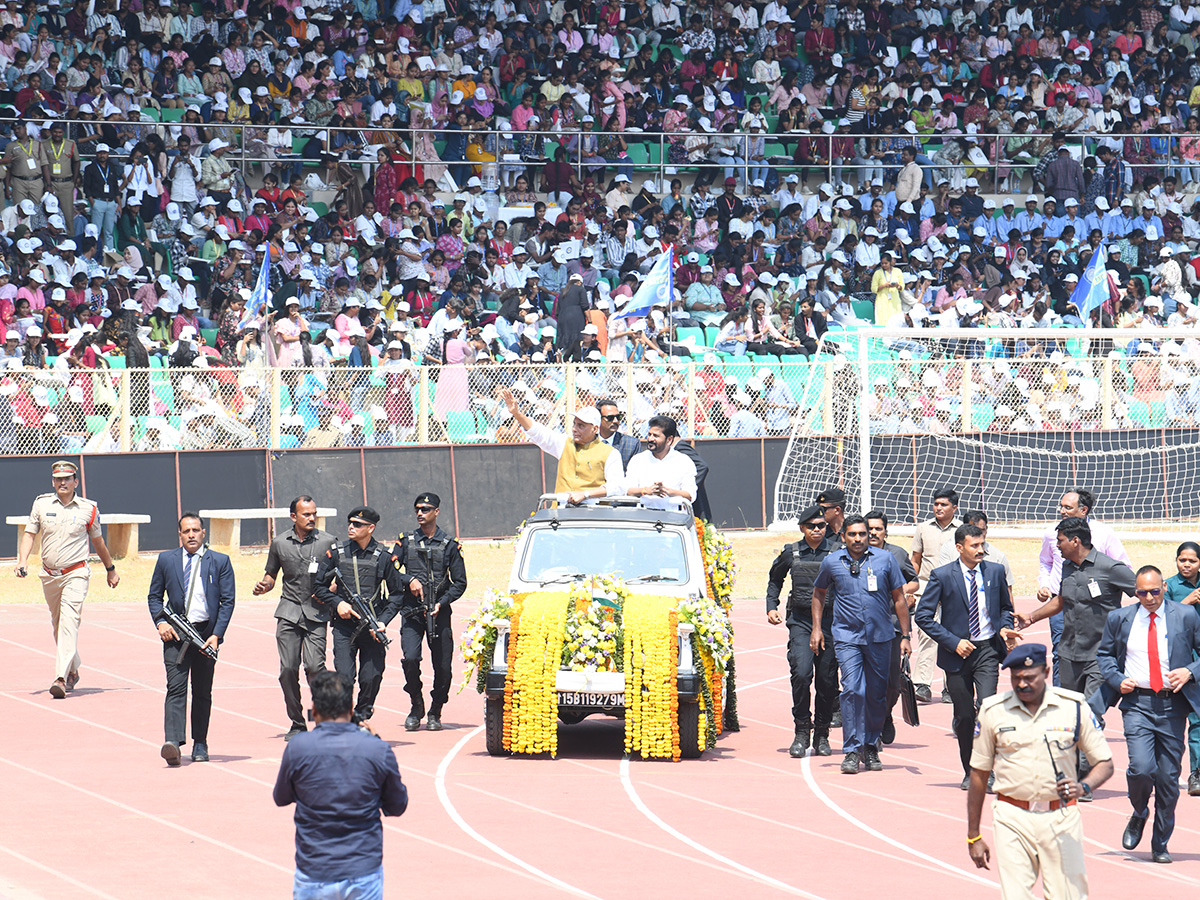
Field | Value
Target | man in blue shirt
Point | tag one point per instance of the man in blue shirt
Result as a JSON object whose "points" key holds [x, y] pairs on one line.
{"points": [[866, 585], [340, 777]]}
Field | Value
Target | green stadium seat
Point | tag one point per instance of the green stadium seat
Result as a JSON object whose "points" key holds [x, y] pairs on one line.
{"points": [[1158, 413], [460, 427], [1139, 412], [982, 415], [863, 309], [209, 335], [172, 115], [320, 208], [95, 424]]}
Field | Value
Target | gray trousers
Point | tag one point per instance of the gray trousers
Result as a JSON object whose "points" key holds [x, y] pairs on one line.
{"points": [[299, 641]]}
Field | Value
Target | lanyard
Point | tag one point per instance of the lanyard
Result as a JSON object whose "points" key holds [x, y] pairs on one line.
{"points": [[59, 152]]}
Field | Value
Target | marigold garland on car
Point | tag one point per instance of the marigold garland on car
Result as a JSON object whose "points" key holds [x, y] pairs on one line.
{"points": [[531, 700], [651, 663]]}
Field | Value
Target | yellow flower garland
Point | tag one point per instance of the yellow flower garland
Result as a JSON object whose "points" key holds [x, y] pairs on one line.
{"points": [[530, 695], [651, 663]]}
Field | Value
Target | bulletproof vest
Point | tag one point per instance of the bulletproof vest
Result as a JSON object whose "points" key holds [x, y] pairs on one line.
{"points": [[357, 574], [425, 560], [804, 576]]}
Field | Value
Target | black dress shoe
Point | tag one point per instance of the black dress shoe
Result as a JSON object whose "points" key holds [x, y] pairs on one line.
{"points": [[871, 758], [966, 783], [821, 746], [946, 696], [799, 745], [1162, 856], [413, 722], [434, 722], [199, 752], [1133, 832], [924, 695], [850, 764], [1194, 784], [293, 731], [835, 720], [889, 730], [170, 752]]}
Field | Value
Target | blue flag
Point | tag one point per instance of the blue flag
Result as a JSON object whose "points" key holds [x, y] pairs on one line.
{"points": [[659, 285], [261, 294], [1092, 289]]}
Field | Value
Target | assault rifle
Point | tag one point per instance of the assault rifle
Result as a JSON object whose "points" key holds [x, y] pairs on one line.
{"points": [[188, 634], [368, 618]]}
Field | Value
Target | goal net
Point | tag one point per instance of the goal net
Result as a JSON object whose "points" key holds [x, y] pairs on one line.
{"points": [[1007, 417]]}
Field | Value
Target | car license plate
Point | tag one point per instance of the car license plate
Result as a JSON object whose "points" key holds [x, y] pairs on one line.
{"points": [[590, 698]]}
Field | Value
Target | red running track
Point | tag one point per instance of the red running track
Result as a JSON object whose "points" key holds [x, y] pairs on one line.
{"points": [[92, 811]]}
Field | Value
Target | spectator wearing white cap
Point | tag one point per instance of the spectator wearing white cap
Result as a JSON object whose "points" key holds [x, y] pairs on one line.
{"points": [[216, 174], [102, 186]]}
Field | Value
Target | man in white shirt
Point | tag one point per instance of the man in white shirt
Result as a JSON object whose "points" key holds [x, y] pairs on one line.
{"points": [[663, 472], [789, 193], [588, 468], [518, 272], [1075, 503]]}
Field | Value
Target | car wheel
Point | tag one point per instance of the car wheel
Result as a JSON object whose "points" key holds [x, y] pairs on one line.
{"points": [[493, 720], [689, 729]]}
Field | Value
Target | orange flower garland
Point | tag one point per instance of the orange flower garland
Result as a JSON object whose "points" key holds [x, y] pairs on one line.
{"points": [[530, 692]]}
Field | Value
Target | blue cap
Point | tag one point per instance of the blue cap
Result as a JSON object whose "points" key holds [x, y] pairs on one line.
{"points": [[1025, 656]]}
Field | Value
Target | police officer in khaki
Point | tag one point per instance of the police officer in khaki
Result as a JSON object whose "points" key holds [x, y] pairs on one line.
{"points": [[66, 522], [1030, 737]]}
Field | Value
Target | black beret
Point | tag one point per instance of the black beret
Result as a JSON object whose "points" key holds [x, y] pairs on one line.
{"points": [[365, 514], [428, 498]]}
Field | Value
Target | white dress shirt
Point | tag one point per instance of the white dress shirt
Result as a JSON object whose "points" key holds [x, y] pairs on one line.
{"points": [[985, 622], [1137, 649], [194, 599], [674, 470]]}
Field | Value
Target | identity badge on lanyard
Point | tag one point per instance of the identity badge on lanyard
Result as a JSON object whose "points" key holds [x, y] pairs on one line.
{"points": [[1093, 588], [872, 581]]}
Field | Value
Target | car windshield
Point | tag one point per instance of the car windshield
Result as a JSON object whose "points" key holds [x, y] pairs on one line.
{"points": [[644, 553]]}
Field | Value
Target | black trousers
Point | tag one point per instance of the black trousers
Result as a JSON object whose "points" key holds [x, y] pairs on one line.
{"points": [[357, 654], [969, 687], [298, 641], [804, 664], [441, 651], [199, 669]]}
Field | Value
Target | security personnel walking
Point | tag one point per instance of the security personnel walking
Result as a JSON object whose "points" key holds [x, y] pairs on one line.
{"points": [[802, 560], [301, 622], [66, 523], [360, 565], [436, 576], [1029, 737], [1150, 658]]}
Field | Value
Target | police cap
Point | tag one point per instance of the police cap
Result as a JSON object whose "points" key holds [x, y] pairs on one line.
{"points": [[813, 512], [1025, 656], [428, 498], [833, 497], [63, 467], [363, 514]]}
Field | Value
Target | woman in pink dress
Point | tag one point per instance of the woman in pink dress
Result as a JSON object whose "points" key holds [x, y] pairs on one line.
{"points": [[287, 333], [453, 390]]}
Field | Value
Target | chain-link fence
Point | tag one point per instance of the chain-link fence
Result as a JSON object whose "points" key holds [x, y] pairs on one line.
{"points": [[116, 409]]}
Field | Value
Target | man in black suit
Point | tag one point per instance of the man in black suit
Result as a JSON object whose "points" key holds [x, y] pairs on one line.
{"points": [[970, 636], [198, 584], [1147, 657], [610, 423]]}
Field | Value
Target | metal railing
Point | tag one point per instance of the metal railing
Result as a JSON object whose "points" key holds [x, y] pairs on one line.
{"points": [[991, 143]]}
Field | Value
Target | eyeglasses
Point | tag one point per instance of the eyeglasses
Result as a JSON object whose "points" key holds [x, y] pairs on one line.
{"points": [[1151, 593], [425, 509]]}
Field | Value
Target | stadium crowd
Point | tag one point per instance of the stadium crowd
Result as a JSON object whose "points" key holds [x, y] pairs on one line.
{"points": [[483, 169]]}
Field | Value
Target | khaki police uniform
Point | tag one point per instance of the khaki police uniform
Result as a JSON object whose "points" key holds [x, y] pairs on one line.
{"points": [[24, 160], [61, 160], [928, 540], [66, 534], [1034, 832]]}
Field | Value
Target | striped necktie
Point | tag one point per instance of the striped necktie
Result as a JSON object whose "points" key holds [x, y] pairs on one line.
{"points": [[973, 606]]}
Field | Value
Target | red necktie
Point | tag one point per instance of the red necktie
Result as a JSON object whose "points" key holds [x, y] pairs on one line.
{"points": [[1156, 682]]}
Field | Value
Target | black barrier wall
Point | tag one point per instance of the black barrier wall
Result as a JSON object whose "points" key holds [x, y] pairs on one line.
{"points": [[488, 489]]}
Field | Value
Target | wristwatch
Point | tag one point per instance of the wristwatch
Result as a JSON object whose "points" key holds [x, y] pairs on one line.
{"points": [[111, 568], [1085, 790]]}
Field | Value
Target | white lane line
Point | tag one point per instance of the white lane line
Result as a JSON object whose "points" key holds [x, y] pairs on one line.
{"points": [[228, 770], [806, 768], [440, 785], [776, 823], [753, 874], [746, 687], [74, 882], [158, 820]]}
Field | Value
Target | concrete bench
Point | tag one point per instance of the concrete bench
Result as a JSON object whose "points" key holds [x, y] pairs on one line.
{"points": [[225, 525], [122, 533]]}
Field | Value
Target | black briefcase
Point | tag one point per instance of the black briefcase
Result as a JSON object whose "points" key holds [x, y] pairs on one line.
{"points": [[908, 696]]}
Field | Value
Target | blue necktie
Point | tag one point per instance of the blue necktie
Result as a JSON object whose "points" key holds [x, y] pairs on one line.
{"points": [[187, 582], [973, 606]]}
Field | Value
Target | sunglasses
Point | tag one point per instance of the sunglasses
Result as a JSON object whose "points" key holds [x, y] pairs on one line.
{"points": [[354, 523], [815, 525], [425, 509], [1151, 593], [616, 418]]}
